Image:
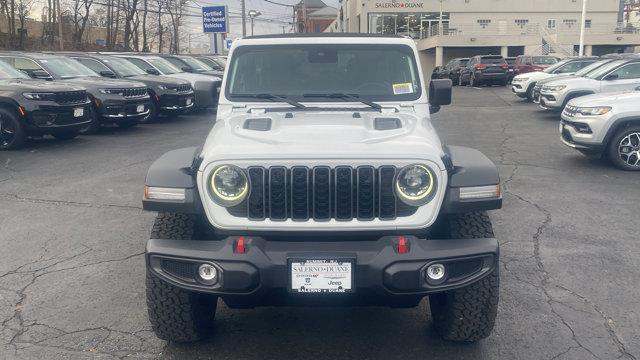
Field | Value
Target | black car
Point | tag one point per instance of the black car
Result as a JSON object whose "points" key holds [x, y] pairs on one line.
{"points": [[114, 101], [216, 62], [452, 69], [169, 96], [511, 61], [30, 107], [485, 69], [190, 64]]}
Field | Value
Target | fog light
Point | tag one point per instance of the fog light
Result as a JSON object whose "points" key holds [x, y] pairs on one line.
{"points": [[207, 272], [435, 272]]}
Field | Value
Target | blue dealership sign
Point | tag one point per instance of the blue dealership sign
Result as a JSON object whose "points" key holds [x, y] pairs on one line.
{"points": [[215, 19]]}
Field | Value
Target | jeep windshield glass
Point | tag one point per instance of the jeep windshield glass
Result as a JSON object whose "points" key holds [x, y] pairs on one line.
{"points": [[8, 72], [587, 69], [544, 60], [123, 67], [555, 66], [605, 69], [66, 68], [165, 67], [196, 65], [372, 72]]}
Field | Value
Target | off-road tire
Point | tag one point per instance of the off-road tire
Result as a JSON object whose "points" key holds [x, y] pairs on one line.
{"points": [[467, 314], [612, 148], [153, 114], [19, 137], [177, 315]]}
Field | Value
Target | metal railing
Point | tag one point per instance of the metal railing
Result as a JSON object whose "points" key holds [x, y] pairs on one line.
{"points": [[497, 29]]}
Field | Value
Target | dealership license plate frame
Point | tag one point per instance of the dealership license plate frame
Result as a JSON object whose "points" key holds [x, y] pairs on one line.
{"points": [[78, 112], [140, 108], [327, 259]]}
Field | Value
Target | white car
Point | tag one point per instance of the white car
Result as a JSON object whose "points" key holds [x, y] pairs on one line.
{"points": [[605, 124], [522, 85], [323, 179], [618, 75], [206, 88]]}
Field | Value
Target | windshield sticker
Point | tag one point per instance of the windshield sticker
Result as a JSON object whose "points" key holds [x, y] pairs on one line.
{"points": [[403, 88], [43, 61]]}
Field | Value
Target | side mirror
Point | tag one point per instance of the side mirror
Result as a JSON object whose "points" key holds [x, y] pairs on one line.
{"points": [[187, 69], [107, 73], [439, 94], [611, 77], [153, 71], [40, 74]]}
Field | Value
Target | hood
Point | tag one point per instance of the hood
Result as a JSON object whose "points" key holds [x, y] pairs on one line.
{"points": [[533, 76], [213, 73], [607, 99], [38, 85], [574, 81], [556, 77], [192, 77], [318, 135], [157, 80], [96, 82]]}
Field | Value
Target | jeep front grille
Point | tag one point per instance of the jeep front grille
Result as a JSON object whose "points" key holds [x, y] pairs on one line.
{"points": [[322, 193], [71, 97], [183, 88]]}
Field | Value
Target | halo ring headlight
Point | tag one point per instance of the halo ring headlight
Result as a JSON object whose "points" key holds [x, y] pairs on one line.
{"points": [[416, 184], [228, 185]]}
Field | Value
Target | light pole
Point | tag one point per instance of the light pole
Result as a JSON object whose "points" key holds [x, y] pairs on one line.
{"points": [[440, 32], [253, 14], [582, 26]]}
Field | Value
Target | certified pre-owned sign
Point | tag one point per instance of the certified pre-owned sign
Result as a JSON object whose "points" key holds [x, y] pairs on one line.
{"points": [[396, 4]]}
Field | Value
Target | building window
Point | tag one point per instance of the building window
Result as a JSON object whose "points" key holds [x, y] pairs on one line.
{"points": [[569, 22], [551, 23], [415, 25], [587, 24], [484, 23], [521, 22]]}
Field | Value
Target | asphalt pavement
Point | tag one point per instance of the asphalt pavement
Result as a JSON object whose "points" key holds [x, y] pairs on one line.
{"points": [[72, 237]]}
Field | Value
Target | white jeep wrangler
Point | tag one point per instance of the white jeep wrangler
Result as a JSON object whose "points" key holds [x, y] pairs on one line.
{"points": [[323, 182]]}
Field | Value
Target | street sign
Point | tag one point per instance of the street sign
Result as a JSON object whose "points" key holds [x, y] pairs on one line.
{"points": [[215, 19]]}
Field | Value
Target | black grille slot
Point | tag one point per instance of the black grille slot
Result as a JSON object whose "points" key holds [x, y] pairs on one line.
{"points": [[278, 193], [386, 195], [256, 206], [366, 193], [134, 92], [71, 97], [181, 269], [300, 193], [344, 192], [183, 88], [322, 193]]}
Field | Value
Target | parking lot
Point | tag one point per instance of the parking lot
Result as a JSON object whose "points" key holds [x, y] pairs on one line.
{"points": [[72, 236]]}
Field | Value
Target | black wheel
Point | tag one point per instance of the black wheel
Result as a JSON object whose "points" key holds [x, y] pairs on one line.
{"points": [[467, 314], [530, 92], [153, 114], [624, 148], [12, 135], [125, 124], [65, 135], [460, 83], [504, 82], [175, 314], [473, 82], [93, 127]]}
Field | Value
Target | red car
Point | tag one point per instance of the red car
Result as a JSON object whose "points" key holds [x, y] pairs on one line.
{"points": [[530, 63]]}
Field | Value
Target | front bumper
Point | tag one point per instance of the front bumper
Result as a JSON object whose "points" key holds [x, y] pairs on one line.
{"points": [[176, 103], [551, 100], [592, 141], [380, 271], [124, 110], [51, 117]]}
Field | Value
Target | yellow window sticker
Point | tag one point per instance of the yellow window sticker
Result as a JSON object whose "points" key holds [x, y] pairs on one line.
{"points": [[403, 88]]}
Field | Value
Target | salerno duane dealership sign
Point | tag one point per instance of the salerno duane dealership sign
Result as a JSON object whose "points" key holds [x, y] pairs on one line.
{"points": [[399, 4]]}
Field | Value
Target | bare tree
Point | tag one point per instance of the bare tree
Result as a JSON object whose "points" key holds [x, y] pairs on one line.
{"points": [[80, 10], [23, 8]]}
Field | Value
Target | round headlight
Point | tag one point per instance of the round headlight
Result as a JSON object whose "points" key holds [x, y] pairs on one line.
{"points": [[415, 185], [229, 185]]}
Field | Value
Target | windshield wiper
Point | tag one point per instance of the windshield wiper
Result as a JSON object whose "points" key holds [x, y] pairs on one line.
{"points": [[272, 97], [345, 97]]}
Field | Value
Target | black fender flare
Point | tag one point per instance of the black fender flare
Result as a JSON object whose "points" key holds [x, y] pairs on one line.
{"points": [[175, 169], [575, 94], [468, 167]]}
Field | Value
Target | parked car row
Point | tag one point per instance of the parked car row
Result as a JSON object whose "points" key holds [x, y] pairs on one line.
{"points": [[66, 94], [597, 99], [491, 69]]}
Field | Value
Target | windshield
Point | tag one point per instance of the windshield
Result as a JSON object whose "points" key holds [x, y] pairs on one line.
{"points": [[376, 72], [165, 67], [196, 65], [8, 72], [544, 60], [464, 62], [604, 69], [555, 66], [66, 68], [123, 67], [222, 61], [587, 69]]}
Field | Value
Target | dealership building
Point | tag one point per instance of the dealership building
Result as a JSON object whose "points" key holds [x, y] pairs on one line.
{"points": [[447, 29]]}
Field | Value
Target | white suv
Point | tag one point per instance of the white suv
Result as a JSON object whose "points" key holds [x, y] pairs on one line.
{"points": [[605, 124], [618, 75], [522, 85]]}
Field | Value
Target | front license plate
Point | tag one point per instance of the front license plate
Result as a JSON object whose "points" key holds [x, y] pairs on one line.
{"points": [[78, 112], [321, 275], [140, 108], [189, 101]]}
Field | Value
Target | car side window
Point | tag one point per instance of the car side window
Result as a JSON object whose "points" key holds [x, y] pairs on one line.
{"points": [[27, 66], [629, 71], [92, 64], [140, 63], [176, 62], [570, 67]]}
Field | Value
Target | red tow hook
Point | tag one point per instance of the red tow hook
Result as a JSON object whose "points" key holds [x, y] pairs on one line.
{"points": [[240, 247], [403, 245]]}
